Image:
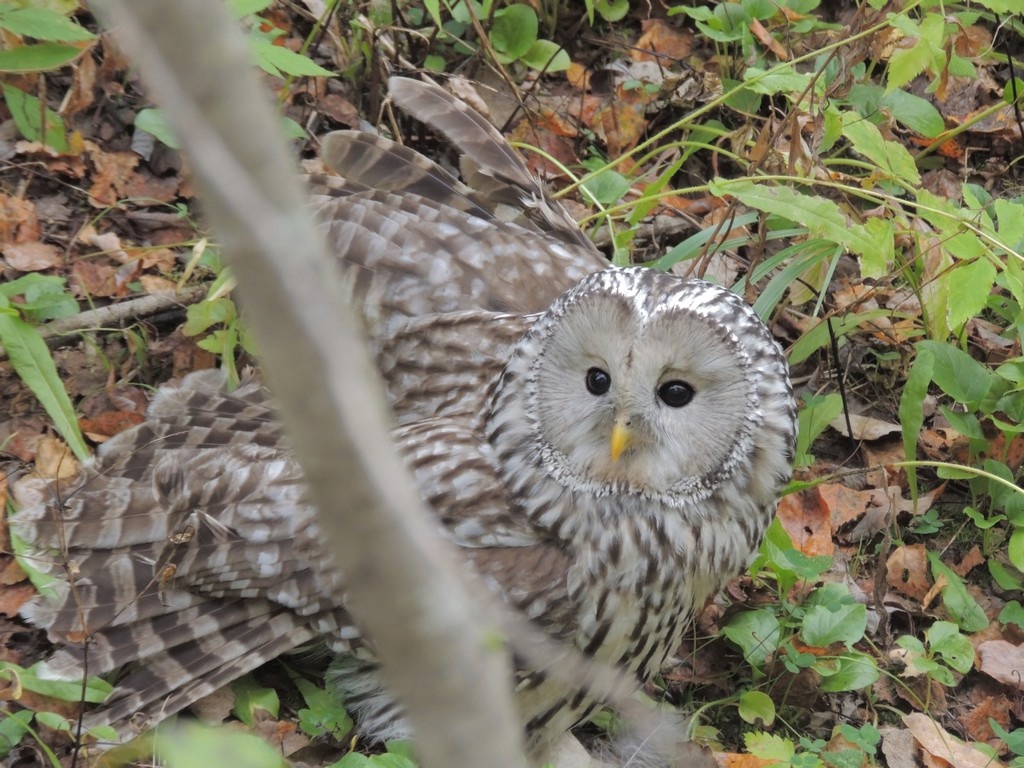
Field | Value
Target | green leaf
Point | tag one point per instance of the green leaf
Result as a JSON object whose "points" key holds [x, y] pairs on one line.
{"points": [[827, 624], [944, 639], [768, 746], [1015, 549], [37, 58], [34, 679], [754, 706], [251, 697], [817, 413], [776, 80], [919, 115], [958, 374], [29, 115], [822, 217], [192, 744], [241, 8], [888, 156], [41, 24], [32, 362], [547, 56], [962, 608], [907, 63], [612, 10], [281, 62], [974, 281], [514, 31], [1006, 580], [607, 187], [154, 121], [856, 672], [756, 633], [13, 727]]}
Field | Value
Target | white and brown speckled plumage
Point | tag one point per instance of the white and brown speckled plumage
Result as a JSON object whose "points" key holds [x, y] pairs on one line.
{"points": [[196, 557]]}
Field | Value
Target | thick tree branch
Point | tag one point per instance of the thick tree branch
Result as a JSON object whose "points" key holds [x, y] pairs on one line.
{"points": [[401, 587]]}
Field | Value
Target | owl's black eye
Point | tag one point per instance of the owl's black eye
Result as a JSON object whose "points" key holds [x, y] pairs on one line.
{"points": [[675, 393], [598, 381]]}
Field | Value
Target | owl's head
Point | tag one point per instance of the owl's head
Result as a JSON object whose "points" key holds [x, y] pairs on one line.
{"points": [[638, 381]]}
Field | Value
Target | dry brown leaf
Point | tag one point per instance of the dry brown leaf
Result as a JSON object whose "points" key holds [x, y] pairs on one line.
{"points": [[83, 87], [12, 573], [805, 516], [105, 425], [153, 284], [54, 459], [14, 597], [864, 427], [969, 562], [660, 41], [578, 76], [907, 571], [765, 38], [1002, 661], [32, 256], [18, 220], [91, 279], [940, 744], [985, 707], [112, 174]]}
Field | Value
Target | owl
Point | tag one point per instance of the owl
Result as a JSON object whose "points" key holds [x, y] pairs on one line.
{"points": [[603, 446]]}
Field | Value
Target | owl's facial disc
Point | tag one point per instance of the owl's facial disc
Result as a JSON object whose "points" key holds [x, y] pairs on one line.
{"points": [[657, 399]]}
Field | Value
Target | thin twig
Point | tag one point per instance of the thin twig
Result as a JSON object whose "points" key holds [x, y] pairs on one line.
{"points": [[58, 332]]}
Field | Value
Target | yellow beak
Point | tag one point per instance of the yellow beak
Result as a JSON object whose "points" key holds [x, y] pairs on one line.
{"points": [[621, 438]]}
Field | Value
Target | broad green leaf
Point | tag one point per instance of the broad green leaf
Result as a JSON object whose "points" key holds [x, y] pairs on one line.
{"points": [[962, 608], [958, 374], [944, 639], [919, 115], [611, 10], [1015, 549], [607, 187], [856, 672], [251, 697], [818, 337], [13, 726], [875, 264], [31, 360], [33, 679], [824, 625], [41, 24], [888, 156], [154, 121], [547, 56], [756, 633], [755, 705], [822, 217], [190, 745], [1012, 613], [514, 31], [906, 63], [29, 115], [769, 746], [37, 58], [778, 80]]}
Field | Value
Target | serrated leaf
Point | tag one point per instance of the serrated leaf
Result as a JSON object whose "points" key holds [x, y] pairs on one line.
{"points": [[31, 360], [974, 281], [907, 63], [888, 156], [821, 217]]}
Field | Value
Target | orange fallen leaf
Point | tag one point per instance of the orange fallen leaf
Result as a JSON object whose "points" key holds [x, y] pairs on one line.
{"points": [[105, 425], [765, 38], [907, 572], [660, 40], [807, 520], [54, 459]]}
